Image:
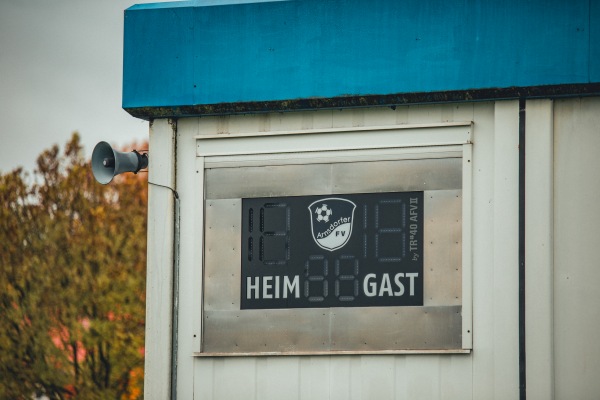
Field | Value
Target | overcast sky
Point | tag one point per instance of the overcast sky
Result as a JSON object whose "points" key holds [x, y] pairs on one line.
{"points": [[61, 71]]}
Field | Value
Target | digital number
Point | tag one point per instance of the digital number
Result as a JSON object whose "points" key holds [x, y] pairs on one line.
{"points": [[316, 279], [400, 230], [320, 278], [353, 262], [275, 239], [250, 238]]}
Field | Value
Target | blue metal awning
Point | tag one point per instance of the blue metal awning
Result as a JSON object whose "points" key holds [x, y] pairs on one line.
{"points": [[200, 57]]}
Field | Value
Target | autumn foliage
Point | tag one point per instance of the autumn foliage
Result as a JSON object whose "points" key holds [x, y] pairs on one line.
{"points": [[72, 281]]}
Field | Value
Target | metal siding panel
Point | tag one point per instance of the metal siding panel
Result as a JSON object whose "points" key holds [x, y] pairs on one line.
{"points": [[411, 175], [539, 255], [335, 139], [577, 233], [427, 378], [420, 385], [328, 157], [231, 379], [222, 255], [159, 286], [231, 183], [379, 117], [376, 377], [505, 250], [194, 297], [251, 331], [417, 328], [359, 177], [227, 379], [402, 377], [408, 328], [340, 382], [190, 189], [455, 382], [204, 378], [483, 239], [278, 377], [322, 331], [346, 377], [315, 378], [331, 119], [467, 248], [442, 255]]}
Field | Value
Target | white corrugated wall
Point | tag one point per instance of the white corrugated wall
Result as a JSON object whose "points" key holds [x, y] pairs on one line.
{"points": [[576, 246], [563, 274], [563, 235], [491, 371]]}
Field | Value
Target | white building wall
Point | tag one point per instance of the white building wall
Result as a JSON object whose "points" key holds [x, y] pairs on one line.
{"points": [[159, 277], [539, 259], [563, 233], [576, 243], [489, 372]]}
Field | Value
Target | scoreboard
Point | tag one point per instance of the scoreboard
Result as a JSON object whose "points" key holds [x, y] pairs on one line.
{"points": [[355, 250], [334, 251]]}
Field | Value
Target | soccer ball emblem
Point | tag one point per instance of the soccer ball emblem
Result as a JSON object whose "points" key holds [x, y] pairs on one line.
{"points": [[323, 213]]}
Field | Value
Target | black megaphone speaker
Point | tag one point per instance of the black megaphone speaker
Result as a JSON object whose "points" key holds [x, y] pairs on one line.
{"points": [[108, 163]]}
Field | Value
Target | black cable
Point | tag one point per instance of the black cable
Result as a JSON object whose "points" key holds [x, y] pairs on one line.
{"points": [[167, 187]]}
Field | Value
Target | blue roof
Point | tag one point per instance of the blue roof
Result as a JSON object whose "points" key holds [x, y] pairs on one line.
{"points": [[195, 3], [202, 53]]}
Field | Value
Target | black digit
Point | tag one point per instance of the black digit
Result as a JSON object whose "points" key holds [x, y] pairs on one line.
{"points": [[250, 248], [250, 220], [250, 229], [365, 208], [399, 210], [277, 237], [316, 278], [353, 261]]}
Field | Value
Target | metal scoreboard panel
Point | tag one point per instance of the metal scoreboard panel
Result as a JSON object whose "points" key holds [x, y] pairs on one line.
{"points": [[351, 298], [367, 250]]}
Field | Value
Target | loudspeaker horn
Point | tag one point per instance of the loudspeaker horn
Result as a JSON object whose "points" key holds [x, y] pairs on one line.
{"points": [[108, 163]]}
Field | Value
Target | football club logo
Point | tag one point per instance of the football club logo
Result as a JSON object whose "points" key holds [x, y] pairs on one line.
{"points": [[331, 220]]}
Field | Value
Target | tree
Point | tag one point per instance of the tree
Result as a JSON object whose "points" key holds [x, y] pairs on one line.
{"points": [[72, 281]]}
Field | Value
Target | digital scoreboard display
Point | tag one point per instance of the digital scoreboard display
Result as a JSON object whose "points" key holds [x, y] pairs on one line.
{"points": [[347, 250]]}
